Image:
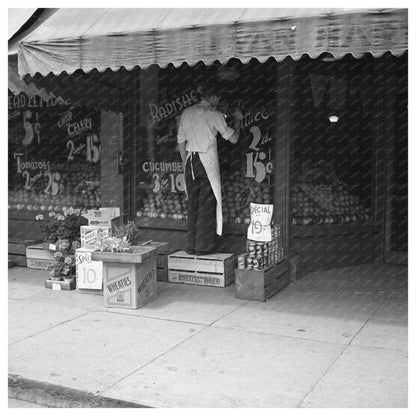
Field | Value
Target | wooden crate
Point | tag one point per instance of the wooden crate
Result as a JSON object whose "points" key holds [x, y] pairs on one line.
{"points": [[162, 252], [129, 278], [38, 258], [17, 251], [261, 285], [63, 285], [211, 270]]}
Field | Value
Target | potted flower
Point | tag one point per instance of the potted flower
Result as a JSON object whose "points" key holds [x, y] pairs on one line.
{"points": [[68, 269], [62, 230], [64, 266]]}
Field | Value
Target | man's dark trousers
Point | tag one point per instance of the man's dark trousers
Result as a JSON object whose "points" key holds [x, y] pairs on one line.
{"points": [[201, 207]]}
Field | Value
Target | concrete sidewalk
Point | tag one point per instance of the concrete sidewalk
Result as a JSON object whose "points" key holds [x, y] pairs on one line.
{"points": [[334, 339]]}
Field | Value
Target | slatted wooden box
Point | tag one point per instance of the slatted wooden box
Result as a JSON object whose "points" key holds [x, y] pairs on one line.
{"points": [[38, 258], [50, 284], [211, 270], [17, 251], [261, 285]]}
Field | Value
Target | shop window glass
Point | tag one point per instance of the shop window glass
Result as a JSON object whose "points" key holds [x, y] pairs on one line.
{"points": [[54, 155], [331, 119], [246, 168]]}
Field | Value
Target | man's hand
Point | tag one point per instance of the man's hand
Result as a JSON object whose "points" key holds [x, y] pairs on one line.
{"points": [[182, 151], [238, 116]]}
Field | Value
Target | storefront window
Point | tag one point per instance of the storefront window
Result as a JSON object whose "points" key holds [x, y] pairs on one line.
{"points": [[331, 169], [246, 168], [54, 155]]}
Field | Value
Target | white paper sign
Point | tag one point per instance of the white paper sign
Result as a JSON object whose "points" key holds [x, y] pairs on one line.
{"points": [[261, 217], [90, 275], [56, 286]]}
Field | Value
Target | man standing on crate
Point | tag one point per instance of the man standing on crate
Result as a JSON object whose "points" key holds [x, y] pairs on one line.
{"points": [[197, 141]]}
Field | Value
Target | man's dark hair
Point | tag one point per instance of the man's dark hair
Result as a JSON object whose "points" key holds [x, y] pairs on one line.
{"points": [[209, 91]]}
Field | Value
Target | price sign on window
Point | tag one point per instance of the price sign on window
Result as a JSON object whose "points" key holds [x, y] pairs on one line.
{"points": [[90, 275]]}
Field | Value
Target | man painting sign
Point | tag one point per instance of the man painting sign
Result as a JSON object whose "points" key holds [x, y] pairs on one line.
{"points": [[198, 128]]}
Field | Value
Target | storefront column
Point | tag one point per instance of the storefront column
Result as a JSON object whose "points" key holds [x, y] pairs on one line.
{"points": [[383, 134], [390, 140], [282, 148], [111, 146], [129, 128]]}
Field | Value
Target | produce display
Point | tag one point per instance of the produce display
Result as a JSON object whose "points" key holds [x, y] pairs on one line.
{"points": [[321, 198], [165, 204], [237, 193], [74, 185]]}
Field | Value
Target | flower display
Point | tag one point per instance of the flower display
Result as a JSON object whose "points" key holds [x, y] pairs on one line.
{"points": [[64, 265], [116, 245], [64, 226]]}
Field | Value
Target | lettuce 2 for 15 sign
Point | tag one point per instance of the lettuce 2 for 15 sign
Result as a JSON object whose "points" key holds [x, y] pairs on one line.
{"points": [[259, 155]]}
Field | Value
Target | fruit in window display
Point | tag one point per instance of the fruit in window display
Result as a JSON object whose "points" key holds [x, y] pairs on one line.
{"points": [[163, 205], [333, 201]]}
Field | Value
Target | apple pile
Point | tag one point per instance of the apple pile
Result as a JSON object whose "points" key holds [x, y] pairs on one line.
{"points": [[237, 193], [77, 184], [165, 204], [319, 203]]}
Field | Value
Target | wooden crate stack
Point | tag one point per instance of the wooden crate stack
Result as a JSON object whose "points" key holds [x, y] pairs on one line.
{"points": [[17, 251], [38, 257]]}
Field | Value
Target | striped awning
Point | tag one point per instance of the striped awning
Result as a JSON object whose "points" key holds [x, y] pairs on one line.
{"points": [[99, 39]]}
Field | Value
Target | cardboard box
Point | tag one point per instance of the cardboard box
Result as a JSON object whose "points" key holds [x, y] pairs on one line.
{"points": [[211, 270], [91, 236], [110, 212], [83, 255], [129, 278], [103, 217], [39, 258]]}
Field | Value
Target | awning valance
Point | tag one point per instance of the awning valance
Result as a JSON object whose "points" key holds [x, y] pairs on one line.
{"points": [[90, 39]]}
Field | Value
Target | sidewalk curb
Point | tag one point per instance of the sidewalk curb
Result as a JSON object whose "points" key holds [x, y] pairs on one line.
{"points": [[52, 395]]}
